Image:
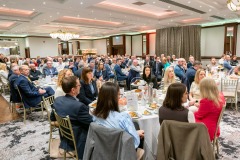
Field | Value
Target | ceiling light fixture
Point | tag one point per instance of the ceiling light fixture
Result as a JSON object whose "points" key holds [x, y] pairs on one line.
{"points": [[64, 35], [233, 5]]}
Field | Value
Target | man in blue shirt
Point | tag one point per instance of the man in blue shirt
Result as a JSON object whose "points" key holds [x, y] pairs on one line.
{"points": [[179, 71], [226, 63], [190, 74]]}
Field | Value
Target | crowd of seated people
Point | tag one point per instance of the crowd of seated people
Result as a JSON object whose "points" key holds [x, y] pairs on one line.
{"points": [[167, 73]]}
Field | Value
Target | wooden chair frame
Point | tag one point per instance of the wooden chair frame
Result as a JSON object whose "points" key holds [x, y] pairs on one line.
{"points": [[65, 127]]}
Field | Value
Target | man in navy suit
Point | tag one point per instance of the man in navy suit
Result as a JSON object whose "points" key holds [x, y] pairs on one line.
{"points": [[49, 70], [31, 95], [14, 96], [77, 112], [120, 75]]}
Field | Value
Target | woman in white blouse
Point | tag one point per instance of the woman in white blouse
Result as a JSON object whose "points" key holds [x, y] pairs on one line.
{"points": [[194, 95], [3, 74], [62, 74]]}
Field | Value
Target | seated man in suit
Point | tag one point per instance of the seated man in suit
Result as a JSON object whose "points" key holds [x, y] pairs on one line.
{"points": [[31, 95], [120, 75], [71, 66], [148, 61], [34, 74], [157, 69], [14, 96], [77, 112], [49, 70]]}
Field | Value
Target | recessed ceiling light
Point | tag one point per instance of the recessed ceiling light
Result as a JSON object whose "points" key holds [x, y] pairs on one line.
{"points": [[44, 3], [200, 6], [210, 10], [33, 9], [171, 20], [50, 16], [154, 2], [81, 3], [169, 6], [181, 10], [4, 5], [58, 13], [189, 1]]}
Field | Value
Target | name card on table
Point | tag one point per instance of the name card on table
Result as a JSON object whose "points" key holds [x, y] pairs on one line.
{"points": [[132, 101]]}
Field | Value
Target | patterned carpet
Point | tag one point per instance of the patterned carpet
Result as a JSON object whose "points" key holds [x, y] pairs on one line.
{"points": [[30, 141]]}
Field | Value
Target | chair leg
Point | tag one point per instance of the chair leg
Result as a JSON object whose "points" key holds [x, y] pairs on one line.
{"points": [[42, 112], [24, 114], [50, 139], [65, 155], [217, 144]]}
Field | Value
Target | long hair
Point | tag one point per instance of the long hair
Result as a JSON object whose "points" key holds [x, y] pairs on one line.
{"points": [[209, 90], [144, 74], [196, 78], [166, 79], [173, 99], [107, 100], [98, 68], [61, 75], [3, 66], [84, 74]]}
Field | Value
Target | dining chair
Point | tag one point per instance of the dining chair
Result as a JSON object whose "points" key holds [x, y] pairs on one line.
{"points": [[229, 90], [24, 109], [67, 132], [47, 102], [215, 139]]}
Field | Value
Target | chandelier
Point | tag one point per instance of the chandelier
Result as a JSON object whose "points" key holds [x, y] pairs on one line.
{"points": [[233, 5], [64, 35]]}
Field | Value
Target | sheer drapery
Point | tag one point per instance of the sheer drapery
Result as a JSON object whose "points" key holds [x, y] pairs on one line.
{"points": [[181, 41]]}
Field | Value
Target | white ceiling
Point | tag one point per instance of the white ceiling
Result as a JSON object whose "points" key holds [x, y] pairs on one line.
{"points": [[98, 18]]}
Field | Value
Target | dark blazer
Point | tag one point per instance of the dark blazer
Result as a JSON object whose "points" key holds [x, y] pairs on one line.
{"points": [[46, 71], [85, 96], [148, 63], [120, 75], [34, 75], [78, 73], [14, 97], [29, 92], [190, 74], [104, 74], [159, 68], [80, 120], [151, 79]]}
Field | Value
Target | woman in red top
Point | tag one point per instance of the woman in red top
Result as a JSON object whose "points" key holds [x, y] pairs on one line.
{"points": [[210, 105]]}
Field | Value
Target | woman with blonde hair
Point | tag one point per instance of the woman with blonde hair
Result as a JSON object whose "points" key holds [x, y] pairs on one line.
{"points": [[3, 74], [169, 78], [210, 107], [194, 93], [62, 74]]}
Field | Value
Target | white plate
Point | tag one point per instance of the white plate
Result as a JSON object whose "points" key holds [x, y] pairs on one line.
{"points": [[91, 104], [150, 113], [138, 115]]}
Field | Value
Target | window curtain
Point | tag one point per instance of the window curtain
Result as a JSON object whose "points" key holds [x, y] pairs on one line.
{"points": [[181, 41]]}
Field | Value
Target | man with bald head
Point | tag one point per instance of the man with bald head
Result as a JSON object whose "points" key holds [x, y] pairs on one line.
{"points": [[34, 73], [31, 95], [179, 70]]}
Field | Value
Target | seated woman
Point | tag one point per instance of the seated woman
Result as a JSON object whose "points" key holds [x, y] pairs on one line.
{"points": [[3, 74], [165, 63], [210, 105], [101, 72], [172, 108], [194, 95], [234, 73], [107, 112], [62, 74], [147, 76], [169, 78], [88, 90]]}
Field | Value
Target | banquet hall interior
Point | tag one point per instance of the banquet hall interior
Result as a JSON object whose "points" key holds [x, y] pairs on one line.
{"points": [[148, 55]]}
